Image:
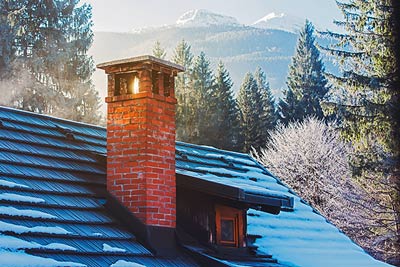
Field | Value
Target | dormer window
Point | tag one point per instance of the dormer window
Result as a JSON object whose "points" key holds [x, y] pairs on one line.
{"points": [[229, 226]]}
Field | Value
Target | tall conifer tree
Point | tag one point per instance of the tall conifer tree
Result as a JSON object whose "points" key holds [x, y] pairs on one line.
{"points": [[254, 116], [223, 131], [203, 87], [367, 107], [306, 82], [268, 103], [159, 51], [184, 92], [49, 44]]}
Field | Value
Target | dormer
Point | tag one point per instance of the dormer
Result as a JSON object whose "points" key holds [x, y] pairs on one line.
{"points": [[212, 203]]}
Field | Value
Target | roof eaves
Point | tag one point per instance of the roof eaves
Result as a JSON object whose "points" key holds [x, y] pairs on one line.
{"points": [[263, 202]]}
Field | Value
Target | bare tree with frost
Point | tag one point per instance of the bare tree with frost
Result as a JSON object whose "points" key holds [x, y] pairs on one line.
{"points": [[311, 158]]}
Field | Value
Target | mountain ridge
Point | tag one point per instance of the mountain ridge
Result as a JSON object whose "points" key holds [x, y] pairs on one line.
{"points": [[242, 48]]}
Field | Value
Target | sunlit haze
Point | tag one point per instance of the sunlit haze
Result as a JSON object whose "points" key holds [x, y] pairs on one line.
{"points": [[125, 15]]}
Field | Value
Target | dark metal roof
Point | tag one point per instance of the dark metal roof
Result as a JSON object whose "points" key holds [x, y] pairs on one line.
{"points": [[52, 192]]}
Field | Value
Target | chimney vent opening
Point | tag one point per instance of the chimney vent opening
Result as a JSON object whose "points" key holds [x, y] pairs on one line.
{"points": [[126, 83], [167, 85], [155, 82]]}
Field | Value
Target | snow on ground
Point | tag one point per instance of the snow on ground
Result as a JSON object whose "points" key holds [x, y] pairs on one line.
{"points": [[122, 263], [108, 248]]}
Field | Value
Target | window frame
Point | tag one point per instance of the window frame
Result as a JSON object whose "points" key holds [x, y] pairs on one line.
{"points": [[232, 214]]}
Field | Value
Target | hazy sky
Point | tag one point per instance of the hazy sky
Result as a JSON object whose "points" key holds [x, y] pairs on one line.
{"points": [[124, 15]]}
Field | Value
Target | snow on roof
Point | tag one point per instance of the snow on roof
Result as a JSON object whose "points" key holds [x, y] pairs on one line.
{"points": [[52, 191], [69, 174], [10, 184], [123, 263], [304, 238], [231, 169], [20, 229], [20, 198], [19, 258], [108, 248], [295, 237], [11, 211], [12, 253]]}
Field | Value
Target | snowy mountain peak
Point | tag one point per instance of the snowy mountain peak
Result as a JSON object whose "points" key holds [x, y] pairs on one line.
{"points": [[280, 21], [269, 16], [205, 18]]}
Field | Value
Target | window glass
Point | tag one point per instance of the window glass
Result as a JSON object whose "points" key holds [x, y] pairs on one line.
{"points": [[227, 230]]}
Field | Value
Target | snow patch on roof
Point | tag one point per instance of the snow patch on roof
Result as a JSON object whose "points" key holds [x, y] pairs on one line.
{"points": [[108, 248], [11, 211], [19, 229], [97, 234], [11, 184], [241, 180], [230, 158], [15, 243], [59, 246], [12, 253], [20, 198], [22, 259], [123, 263]]}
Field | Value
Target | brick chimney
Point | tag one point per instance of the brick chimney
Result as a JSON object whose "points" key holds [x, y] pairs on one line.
{"points": [[141, 137]]}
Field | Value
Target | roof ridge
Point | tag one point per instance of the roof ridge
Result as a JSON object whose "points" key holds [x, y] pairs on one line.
{"points": [[52, 118], [214, 149]]}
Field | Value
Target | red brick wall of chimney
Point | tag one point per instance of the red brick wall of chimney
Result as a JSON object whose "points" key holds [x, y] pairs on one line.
{"points": [[141, 153]]}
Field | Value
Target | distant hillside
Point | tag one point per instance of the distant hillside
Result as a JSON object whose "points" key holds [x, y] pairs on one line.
{"points": [[242, 48]]}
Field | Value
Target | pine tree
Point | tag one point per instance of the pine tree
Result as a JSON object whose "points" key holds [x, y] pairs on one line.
{"points": [[288, 107], [268, 114], [249, 103], [184, 92], [203, 87], [224, 116], [306, 82], [360, 95], [6, 39], [158, 51], [367, 107], [50, 40]]}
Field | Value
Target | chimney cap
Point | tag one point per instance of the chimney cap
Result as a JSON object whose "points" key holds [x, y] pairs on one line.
{"points": [[141, 59]]}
